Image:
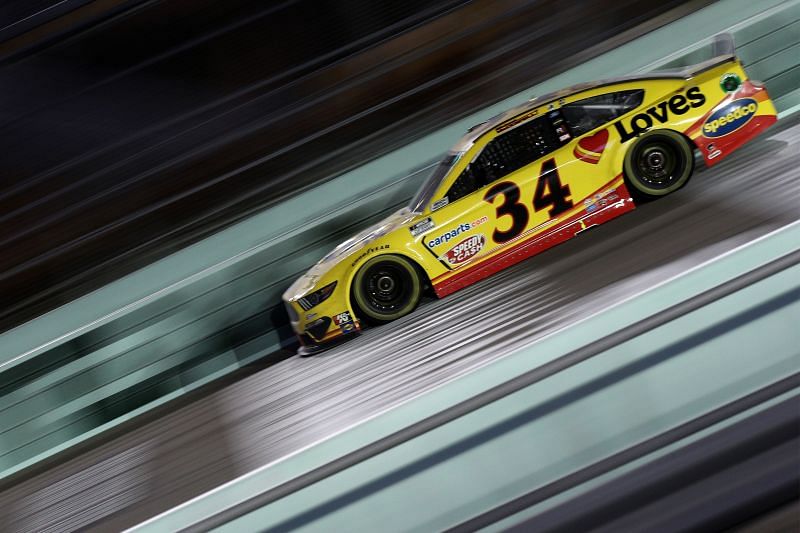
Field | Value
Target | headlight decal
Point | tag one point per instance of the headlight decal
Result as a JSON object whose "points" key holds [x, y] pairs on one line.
{"points": [[315, 298]]}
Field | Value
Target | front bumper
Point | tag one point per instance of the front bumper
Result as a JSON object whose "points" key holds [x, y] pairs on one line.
{"points": [[320, 325]]}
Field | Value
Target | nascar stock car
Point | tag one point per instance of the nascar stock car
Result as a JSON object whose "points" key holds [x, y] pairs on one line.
{"points": [[527, 179]]}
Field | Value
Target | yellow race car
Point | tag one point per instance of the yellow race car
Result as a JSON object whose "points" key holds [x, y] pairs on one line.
{"points": [[528, 179]]}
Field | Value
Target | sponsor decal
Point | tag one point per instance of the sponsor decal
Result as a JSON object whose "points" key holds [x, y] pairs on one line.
{"points": [[345, 322], [713, 153], [423, 226], [663, 112], [342, 318], [465, 250], [516, 120], [729, 82], [730, 117], [590, 149], [600, 199], [453, 233], [438, 204], [368, 251]]}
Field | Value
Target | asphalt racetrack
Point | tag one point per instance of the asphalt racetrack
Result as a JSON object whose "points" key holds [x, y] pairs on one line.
{"points": [[227, 431]]}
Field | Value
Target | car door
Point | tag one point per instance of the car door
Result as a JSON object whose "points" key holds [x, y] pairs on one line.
{"points": [[488, 206], [454, 232]]}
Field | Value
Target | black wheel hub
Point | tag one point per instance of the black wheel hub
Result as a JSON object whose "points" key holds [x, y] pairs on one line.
{"points": [[658, 164], [387, 287]]}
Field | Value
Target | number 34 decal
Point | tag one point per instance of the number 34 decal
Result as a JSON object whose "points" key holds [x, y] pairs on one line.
{"points": [[549, 193]]}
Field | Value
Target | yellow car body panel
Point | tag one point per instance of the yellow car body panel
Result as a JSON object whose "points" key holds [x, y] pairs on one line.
{"points": [[457, 240]]}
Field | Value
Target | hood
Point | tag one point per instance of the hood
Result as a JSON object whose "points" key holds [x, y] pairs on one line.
{"points": [[352, 245]]}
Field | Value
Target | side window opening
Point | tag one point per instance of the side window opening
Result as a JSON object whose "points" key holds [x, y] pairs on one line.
{"points": [[505, 154], [590, 113]]}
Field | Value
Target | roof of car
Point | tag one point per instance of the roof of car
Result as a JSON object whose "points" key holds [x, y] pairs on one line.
{"points": [[475, 132]]}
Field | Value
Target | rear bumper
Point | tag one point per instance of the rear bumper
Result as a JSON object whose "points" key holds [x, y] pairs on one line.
{"points": [[718, 135]]}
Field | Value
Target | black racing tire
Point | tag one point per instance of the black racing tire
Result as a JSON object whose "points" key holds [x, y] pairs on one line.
{"points": [[659, 163], [386, 287]]}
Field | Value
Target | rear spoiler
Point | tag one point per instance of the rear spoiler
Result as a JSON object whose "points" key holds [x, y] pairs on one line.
{"points": [[722, 50], [723, 45]]}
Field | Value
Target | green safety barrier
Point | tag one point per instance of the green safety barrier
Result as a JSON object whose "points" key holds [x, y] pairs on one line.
{"points": [[566, 404], [215, 306]]}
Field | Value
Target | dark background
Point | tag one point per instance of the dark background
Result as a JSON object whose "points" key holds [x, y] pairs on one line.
{"points": [[133, 128]]}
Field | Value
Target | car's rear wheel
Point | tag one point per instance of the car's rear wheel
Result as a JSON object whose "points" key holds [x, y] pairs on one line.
{"points": [[659, 163], [386, 287]]}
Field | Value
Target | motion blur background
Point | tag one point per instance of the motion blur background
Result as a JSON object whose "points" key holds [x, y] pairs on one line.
{"points": [[132, 128]]}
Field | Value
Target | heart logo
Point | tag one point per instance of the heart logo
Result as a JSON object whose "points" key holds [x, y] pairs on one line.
{"points": [[590, 149]]}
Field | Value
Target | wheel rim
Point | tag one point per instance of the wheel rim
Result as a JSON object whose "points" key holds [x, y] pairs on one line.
{"points": [[387, 288], [659, 165]]}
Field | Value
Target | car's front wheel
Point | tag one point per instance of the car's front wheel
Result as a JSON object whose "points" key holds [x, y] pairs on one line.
{"points": [[386, 287], [660, 162]]}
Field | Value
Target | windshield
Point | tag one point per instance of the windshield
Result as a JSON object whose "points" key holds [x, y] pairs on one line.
{"points": [[425, 193]]}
